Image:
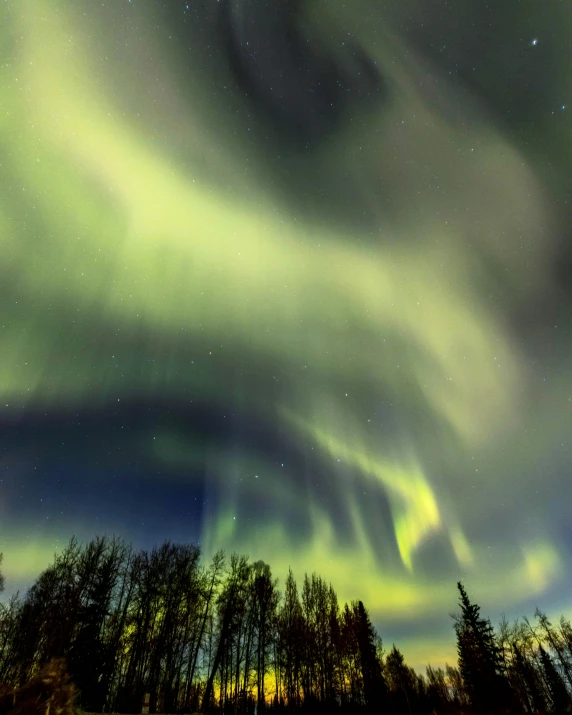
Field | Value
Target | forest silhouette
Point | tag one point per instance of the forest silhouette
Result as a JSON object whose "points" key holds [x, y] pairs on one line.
{"points": [[111, 624]]}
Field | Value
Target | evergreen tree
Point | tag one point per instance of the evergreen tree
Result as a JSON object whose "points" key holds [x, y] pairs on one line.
{"points": [[375, 688], [400, 682], [480, 660]]}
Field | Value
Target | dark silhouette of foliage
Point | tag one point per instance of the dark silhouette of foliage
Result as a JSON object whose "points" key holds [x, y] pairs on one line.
{"points": [[374, 685], [223, 639], [50, 692], [438, 693], [456, 687], [401, 681], [290, 638], [530, 689], [557, 643], [480, 659], [559, 696]]}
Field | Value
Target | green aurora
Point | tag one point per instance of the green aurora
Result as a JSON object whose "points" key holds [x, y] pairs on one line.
{"points": [[386, 303]]}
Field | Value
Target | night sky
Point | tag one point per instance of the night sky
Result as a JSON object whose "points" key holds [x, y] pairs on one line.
{"points": [[293, 281]]}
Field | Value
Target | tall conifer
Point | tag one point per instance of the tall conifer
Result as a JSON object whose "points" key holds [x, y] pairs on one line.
{"points": [[375, 688], [480, 660]]}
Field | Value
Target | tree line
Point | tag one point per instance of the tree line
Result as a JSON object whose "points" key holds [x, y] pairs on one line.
{"points": [[222, 638]]}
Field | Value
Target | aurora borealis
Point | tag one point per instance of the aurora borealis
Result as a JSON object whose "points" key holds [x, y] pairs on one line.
{"points": [[351, 356]]}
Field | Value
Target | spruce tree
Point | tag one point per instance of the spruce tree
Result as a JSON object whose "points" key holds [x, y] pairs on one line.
{"points": [[375, 689], [480, 659], [400, 682]]}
